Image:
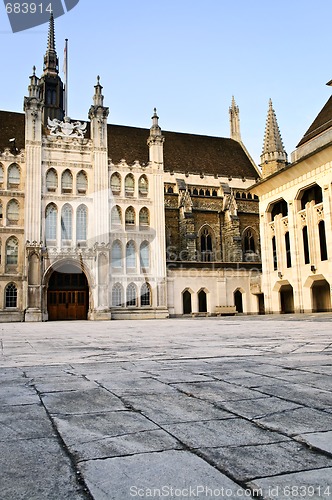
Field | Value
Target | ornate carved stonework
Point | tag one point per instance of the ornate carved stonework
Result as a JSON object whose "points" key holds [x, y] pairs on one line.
{"points": [[66, 128]]}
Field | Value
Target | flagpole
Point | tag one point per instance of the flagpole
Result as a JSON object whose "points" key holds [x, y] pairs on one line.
{"points": [[65, 70]]}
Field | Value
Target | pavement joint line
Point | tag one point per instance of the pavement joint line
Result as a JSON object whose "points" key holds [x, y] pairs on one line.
{"points": [[83, 488]]}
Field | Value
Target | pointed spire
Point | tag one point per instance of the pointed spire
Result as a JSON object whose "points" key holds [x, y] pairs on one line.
{"points": [[51, 63], [234, 119], [274, 156], [51, 34]]}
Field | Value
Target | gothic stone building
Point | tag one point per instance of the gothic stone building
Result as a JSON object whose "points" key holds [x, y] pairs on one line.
{"points": [[102, 221], [296, 219]]}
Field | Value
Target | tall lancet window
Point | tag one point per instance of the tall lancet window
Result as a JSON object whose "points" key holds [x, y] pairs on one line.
{"points": [[66, 223], [81, 223], [51, 222]]}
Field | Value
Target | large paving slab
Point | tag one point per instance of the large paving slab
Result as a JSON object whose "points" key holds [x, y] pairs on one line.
{"points": [[220, 403], [172, 474]]}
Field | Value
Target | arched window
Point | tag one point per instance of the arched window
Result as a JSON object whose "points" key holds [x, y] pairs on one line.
{"points": [[206, 245], [170, 190], [51, 180], [144, 253], [279, 207], [244, 196], [144, 219], [116, 216], [249, 196], [129, 185], [249, 245], [116, 183], [130, 255], [322, 240], [66, 222], [116, 256], [201, 192], [313, 193], [1, 173], [238, 194], [81, 223], [207, 192], [117, 295], [13, 175], [13, 211], [81, 182], [131, 295], [51, 222], [12, 251], [288, 250], [195, 191], [11, 295], [143, 185], [67, 182], [214, 193], [130, 217], [145, 295]]}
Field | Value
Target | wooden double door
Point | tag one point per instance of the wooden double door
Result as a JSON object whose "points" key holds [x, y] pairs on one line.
{"points": [[67, 297]]}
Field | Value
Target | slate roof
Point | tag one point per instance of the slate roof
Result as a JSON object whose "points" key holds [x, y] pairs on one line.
{"points": [[182, 152], [322, 122]]}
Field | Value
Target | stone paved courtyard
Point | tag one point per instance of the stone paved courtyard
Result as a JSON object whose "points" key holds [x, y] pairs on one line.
{"points": [[232, 407]]}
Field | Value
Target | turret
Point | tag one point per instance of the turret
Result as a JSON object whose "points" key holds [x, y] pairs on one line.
{"points": [[98, 114], [155, 143]]}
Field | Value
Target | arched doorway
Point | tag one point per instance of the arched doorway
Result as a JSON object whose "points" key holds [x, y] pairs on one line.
{"points": [[321, 296], [202, 303], [286, 299], [238, 301], [186, 301], [67, 294]]}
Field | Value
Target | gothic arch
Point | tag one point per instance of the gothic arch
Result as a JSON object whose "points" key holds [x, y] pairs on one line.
{"points": [[187, 295], [206, 243], [202, 295], [238, 299], [50, 296], [250, 244]]}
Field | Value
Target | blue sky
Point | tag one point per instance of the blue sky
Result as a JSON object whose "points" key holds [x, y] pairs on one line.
{"points": [[187, 58]]}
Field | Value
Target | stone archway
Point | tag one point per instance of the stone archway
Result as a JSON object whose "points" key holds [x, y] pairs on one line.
{"points": [[202, 301], [321, 296], [286, 299], [67, 293], [238, 301], [186, 302]]}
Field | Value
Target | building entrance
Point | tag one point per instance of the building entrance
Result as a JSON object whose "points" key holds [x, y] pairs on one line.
{"points": [[68, 295]]}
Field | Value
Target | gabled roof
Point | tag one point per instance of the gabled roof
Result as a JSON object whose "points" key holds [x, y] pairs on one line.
{"points": [[182, 152], [322, 122]]}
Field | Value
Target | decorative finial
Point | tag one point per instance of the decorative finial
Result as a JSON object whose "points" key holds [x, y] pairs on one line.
{"points": [[33, 70], [98, 80]]}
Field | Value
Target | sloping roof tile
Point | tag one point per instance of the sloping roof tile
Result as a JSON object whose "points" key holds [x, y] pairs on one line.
{"points": [[182, 152], [322, 122]]}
